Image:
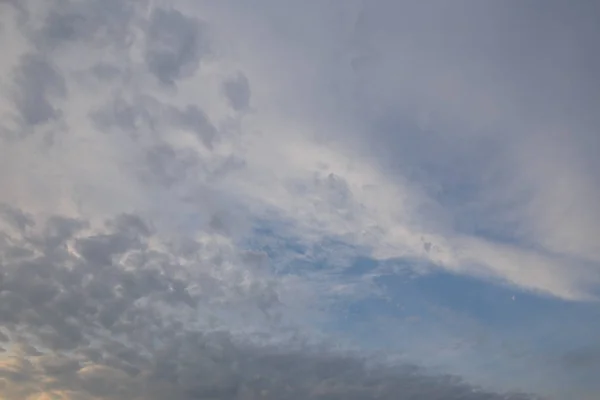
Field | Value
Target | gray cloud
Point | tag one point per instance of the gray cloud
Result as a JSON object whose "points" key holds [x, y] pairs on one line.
{"points": [[58, 230], [150, 118], [247, 373], [136, 119], [105, 72], [150, 127], [62, 27], [16, 217], [98, 23], [583, 358], [453, 97], [37, 86], [58, 289], [196, 120], [175, 44], [237, 90], [166, 165]]}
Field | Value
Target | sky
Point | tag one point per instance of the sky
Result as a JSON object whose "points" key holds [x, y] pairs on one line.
{"points": [[299, 200]]}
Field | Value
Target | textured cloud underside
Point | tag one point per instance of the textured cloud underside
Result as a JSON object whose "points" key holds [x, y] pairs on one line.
{"points": [[117, 313]]}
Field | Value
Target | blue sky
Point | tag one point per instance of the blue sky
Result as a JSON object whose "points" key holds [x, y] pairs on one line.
{"points": [[498, 334], [309, 199]]}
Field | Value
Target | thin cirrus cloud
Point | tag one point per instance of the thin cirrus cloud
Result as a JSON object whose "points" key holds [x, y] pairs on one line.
{"points": [[184, 186]]}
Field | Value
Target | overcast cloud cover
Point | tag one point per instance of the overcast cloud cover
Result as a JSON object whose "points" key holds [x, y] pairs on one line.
{"points": [[310, 199]]}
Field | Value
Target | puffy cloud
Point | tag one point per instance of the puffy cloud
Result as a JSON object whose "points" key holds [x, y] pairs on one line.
{"points": [[175, 44], [237, 90]]}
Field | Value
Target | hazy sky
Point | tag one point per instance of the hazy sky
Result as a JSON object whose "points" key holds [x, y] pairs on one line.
{"points": [[299, 199]]}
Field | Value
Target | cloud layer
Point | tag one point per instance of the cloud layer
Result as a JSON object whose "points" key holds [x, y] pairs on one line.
{"points": [[118, 314], [185, 185]]}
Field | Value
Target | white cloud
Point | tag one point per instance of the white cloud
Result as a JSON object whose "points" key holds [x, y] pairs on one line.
{"points": [[553, 228]]}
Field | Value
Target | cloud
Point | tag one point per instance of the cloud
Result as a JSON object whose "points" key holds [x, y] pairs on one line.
{"points": [[227, 371], [435, 122], [106, 314], [38, 83], [237, 90], [174, 45], [582, 358], [192, 168]]}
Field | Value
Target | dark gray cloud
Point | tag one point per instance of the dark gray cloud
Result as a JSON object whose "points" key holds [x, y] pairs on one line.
{"points": [[195, 120], [175, 44], [63, 27], [38, 86], [228, 371], [237, 90], [97, 23], [57, 366], [16, 217], [58, 230], [167, 165], [585, 358], [105, 323]]}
